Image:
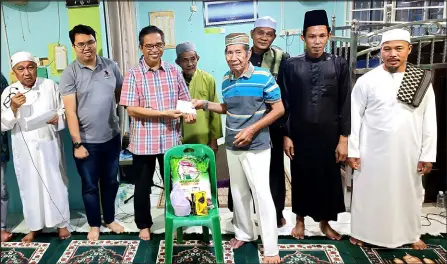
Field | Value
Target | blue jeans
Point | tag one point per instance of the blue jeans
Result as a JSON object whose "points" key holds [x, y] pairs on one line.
{"points": [[101, 166]]}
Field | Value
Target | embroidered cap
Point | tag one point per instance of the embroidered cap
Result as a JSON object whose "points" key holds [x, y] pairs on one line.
{"points": [[237, 38], [266, 21], [22, 56], [184, 47], [395, 34]]}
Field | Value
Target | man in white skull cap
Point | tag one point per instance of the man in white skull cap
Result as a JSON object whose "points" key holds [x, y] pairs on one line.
{"points": [[391, 146], [32, 109]]}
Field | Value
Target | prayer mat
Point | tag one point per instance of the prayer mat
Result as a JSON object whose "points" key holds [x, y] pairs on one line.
{"points": [[102, 251], [127, 248], [195, 251], [21, 253], [432, 254], [311, 251]]}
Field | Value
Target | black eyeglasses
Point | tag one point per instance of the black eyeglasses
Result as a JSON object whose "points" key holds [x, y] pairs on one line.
{"points": [[150, 46], [82, 45]]}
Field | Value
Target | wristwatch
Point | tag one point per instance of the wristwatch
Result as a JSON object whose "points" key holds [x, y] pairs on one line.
{"points": [[77, 145], [205, 107]]}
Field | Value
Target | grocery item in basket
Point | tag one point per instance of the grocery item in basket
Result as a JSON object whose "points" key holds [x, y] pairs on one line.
{"points": [[181, 205], [199, 203], [191, 172]]}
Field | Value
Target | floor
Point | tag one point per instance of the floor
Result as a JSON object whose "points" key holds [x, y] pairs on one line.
{"points": [[127, 248], [124, 215], [113, 248]]}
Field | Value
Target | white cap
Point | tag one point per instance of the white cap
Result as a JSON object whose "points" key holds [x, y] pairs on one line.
{"points": [[396, 34], [22, 56], [266, 21]]}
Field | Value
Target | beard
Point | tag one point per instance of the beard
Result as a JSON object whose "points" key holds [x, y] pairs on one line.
{"points": [[392, 69]]}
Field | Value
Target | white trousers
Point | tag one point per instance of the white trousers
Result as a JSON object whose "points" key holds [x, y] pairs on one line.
{"points": [[249, 170]]}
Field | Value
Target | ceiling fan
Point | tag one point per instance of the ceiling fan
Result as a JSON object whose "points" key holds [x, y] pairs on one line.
{"points": [[26, 5], [17, 2]]}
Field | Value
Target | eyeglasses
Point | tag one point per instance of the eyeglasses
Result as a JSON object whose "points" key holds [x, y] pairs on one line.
{"points": [[151, 46], [82, 45]]}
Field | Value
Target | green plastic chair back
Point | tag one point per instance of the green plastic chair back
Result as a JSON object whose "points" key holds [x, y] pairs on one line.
{"points": [[197, 150], [173, 222]]}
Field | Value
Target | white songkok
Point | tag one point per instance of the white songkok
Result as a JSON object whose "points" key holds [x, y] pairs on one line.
{"points": [[266, 21], [22, 56], [396, 34]]}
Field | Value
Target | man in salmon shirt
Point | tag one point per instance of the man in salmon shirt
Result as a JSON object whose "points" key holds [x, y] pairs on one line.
{"points": [[150, 93]]}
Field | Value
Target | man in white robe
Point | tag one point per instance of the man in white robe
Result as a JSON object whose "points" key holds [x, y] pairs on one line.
{"points": [[391, 146], [37, 149]]}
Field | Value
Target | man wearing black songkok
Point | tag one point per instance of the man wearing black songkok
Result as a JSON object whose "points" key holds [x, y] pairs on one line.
{"points": [[317, 98]]}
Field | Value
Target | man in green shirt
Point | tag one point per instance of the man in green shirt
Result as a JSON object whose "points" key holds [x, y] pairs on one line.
{"points": [[207, 128]]}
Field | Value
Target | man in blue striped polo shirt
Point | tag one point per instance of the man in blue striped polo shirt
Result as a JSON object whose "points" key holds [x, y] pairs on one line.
{"points": [[247, 90]]}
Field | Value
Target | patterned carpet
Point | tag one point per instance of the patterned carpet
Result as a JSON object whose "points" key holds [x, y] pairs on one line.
{"points": [[17, 252], [195, 251], [308, 253], [127, 248], [433, 254], [104, 251]]}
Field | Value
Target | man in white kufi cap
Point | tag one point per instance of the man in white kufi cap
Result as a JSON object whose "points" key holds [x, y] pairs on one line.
{"points": [[33, 110], [272, 58], [396, 34], [392, 145]]}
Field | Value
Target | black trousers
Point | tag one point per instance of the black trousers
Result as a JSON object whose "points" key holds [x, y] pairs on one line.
{"points": [[144, 168], [317, 189], [277, 174]]}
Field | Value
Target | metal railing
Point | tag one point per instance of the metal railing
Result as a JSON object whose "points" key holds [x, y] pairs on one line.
{"points": [[346, 41]]}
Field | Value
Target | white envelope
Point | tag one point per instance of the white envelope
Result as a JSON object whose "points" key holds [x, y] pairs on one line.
{"points": [[38, 121], [185, 107]]}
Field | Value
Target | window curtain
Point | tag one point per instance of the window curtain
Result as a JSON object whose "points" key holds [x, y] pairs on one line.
{"points": [[123, 42]]}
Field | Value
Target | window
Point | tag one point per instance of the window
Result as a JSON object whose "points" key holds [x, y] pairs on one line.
{"points": [[368, 11], [418, 10], [398, 10]]}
